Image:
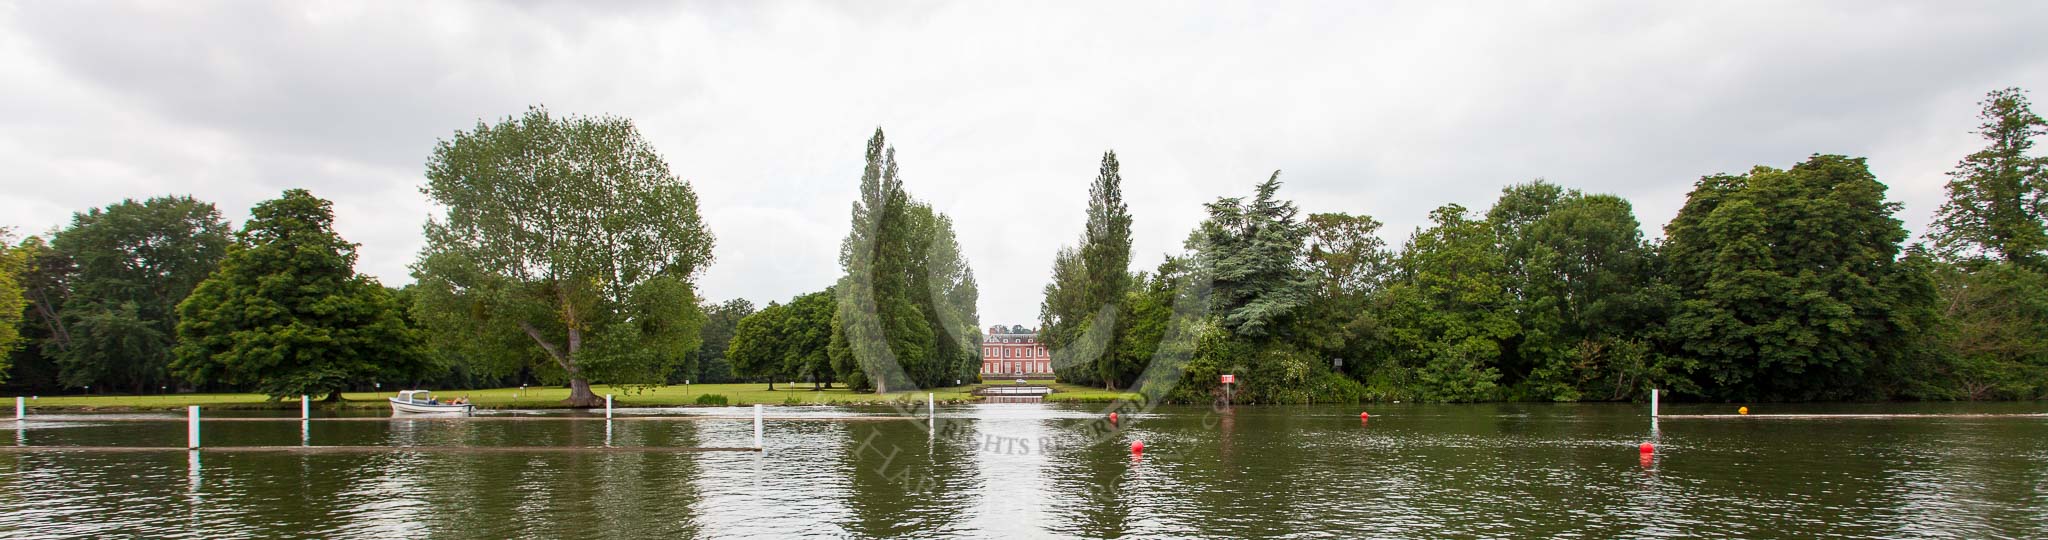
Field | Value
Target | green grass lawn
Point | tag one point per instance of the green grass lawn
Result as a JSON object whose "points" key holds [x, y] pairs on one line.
{"points": [[1086, 394], [514, 398], [551, 397]]}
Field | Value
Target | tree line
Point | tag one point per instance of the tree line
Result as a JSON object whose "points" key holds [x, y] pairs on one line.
{"points": [[161, 294], [1775, 284], [566, 252]]}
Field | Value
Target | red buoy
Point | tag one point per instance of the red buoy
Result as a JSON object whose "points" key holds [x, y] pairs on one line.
{"points": [[1137, 447], [1362, 416], [1648, 448], [1112, 418]]}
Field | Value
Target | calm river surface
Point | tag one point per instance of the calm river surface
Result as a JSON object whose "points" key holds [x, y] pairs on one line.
{"points": [[1032, 470]]}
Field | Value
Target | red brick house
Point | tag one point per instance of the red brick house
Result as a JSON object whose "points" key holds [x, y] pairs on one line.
{"points": [[1014, 352]]}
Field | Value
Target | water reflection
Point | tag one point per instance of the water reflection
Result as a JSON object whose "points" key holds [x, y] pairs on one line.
{"points": [[1029, 470]]}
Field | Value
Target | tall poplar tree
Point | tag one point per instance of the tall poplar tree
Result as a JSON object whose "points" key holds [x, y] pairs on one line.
{"points": [[882, 328], [905, 316], [1078, 318]]}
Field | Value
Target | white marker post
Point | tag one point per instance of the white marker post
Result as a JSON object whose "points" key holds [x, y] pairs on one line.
{"points": [[305, 408], [607, 406], [192, 427], [757, 429], [20, 408], [1653, 403], [931, 409]]}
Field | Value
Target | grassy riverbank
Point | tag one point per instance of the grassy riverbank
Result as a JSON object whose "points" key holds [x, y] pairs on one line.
{"points": [[514, 398], [1063, 392], [551, 397]]}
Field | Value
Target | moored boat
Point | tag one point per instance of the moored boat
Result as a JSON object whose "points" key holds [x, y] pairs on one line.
{"points": [[423, 401]]}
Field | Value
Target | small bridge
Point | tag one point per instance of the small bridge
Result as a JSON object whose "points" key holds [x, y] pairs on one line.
{"points": [[1013, 393]]}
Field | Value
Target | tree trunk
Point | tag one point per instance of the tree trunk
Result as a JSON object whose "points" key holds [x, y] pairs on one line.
{"points": [[334, 396], [580, 395], [771, 385]]}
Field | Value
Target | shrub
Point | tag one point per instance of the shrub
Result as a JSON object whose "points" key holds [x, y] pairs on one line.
{"points": [[712, 399]]}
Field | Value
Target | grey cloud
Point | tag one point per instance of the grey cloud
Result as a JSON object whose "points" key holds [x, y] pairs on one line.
{"points": [[998, 110]]}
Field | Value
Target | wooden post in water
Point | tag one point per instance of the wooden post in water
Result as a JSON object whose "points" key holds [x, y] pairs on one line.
{"points": [[1653, 403], [607, 406], [20, 408], [931, 409], [305, 407], [192, 427], [757, 428]]}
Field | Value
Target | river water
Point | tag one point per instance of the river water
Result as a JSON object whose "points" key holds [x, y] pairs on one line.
{"points": [[1046, 470]]}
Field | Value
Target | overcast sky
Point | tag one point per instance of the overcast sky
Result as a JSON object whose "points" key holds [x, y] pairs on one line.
{"points": [[999, 111]]}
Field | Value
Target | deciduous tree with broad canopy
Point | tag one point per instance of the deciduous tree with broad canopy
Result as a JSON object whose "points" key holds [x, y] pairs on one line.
{"points": [[287, 313], [130, 264], [567, 244]]}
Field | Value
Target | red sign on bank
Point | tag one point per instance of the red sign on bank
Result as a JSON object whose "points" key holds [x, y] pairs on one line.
{"points": [[1229, 379]]}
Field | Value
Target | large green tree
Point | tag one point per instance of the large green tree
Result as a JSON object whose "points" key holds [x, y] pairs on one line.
{"points": [[1791, 283], [44, 277], [1581, 282], [720, 321], [287, 313], [1146, 329], [1078, 320], [1998, 197], [1990, 236], [945, 293], [13, 299], [757, 346], [1349, 266], [568, 244], [879, 323], [1060, 317], [1448, 318], [787, 342], [905, 314], [806, 335], [131, 263], [1997, 332], [1251, 250]]}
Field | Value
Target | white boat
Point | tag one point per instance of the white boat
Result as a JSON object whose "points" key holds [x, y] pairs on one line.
{"points": [[422, 401]]}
